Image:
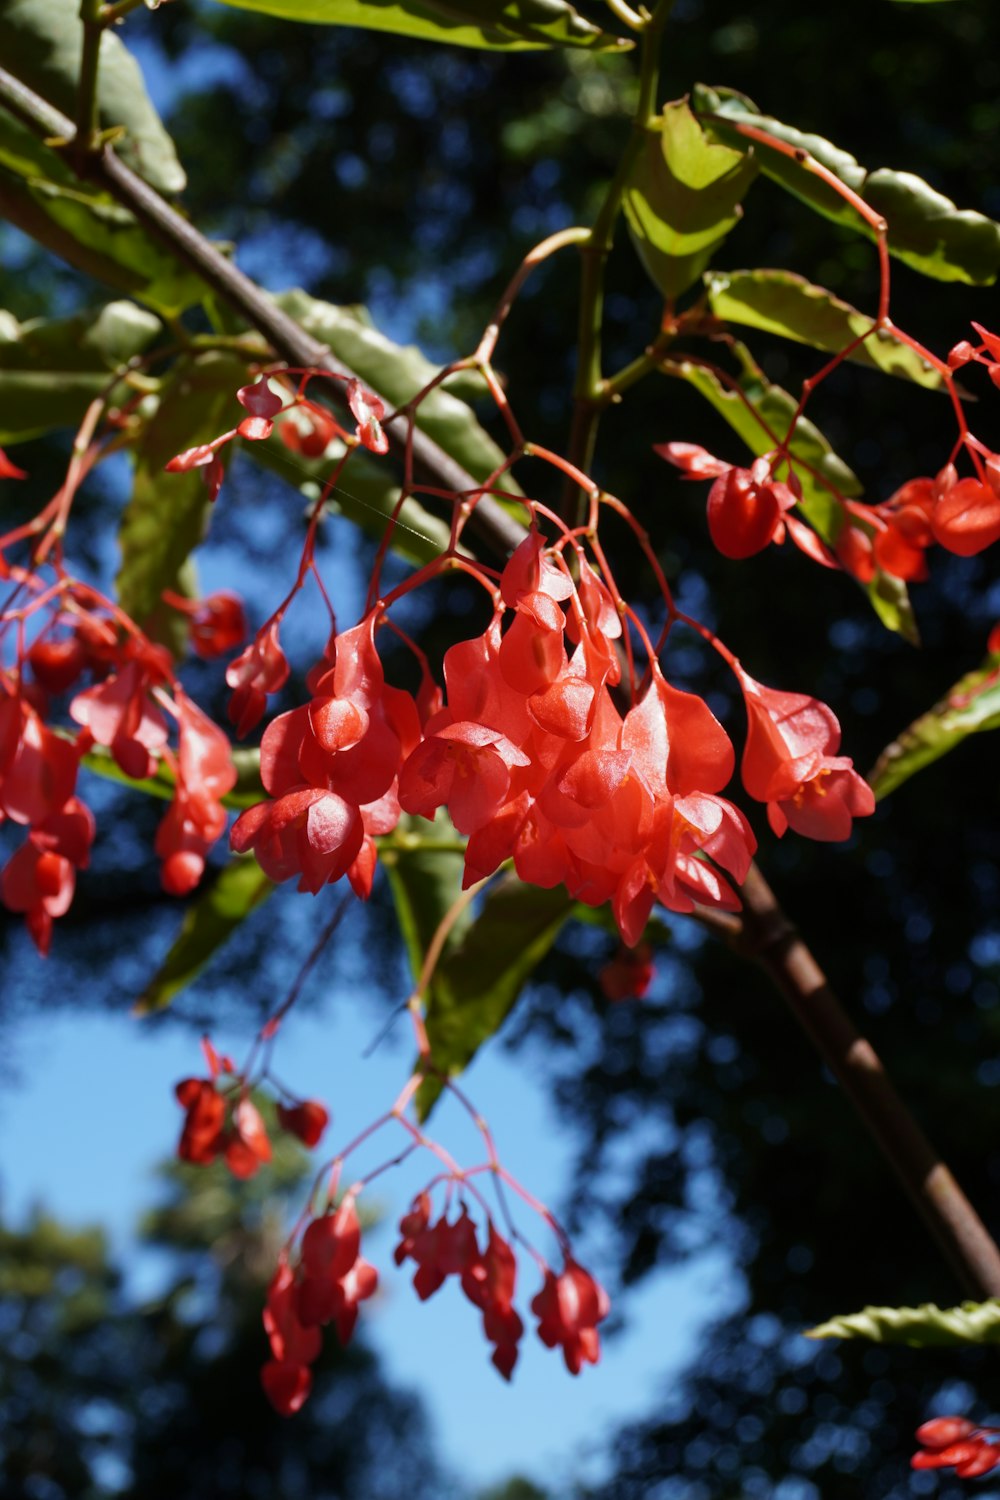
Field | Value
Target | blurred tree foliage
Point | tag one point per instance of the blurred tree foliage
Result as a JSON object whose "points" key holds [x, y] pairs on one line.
{"points": [[101, 1396], [349, 163]]}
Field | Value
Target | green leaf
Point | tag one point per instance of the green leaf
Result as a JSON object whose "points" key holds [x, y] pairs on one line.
{"points": [[397, 373], [926, 230], [971, 706], [208, 923], [424, 863], [366, 495], [52, 368], [683, 197], [781, 302], [85, 226], [926, 1326], [167, 515], [481, 975], [41, 42], [820, 504], [508, 24]]}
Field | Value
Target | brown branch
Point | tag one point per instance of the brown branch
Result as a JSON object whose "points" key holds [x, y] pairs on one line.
{"points": [[765, 934], [290, 342]]}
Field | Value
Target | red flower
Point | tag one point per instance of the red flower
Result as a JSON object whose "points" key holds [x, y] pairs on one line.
{"points": [[121, 715], [39, 883], [569, 1308], [790, 762], [307, 1120], [205, 1113], [745, 510], [261, 669], [368, 412]]}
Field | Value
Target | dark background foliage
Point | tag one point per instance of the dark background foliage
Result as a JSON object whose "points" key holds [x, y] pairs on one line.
{"points": [[412, 178]]}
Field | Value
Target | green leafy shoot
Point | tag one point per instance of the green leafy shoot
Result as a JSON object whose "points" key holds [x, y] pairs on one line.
{"points": [[971, 706], [923, 1327]]}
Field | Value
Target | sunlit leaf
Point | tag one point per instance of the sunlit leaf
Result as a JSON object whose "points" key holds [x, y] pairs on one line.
{"points": [[781, 302], [683, 197], [507, 24], [40, 43], [926, 230], [167, 515], [926, 1326], [971, 706], [85, 226], [210, 921]]}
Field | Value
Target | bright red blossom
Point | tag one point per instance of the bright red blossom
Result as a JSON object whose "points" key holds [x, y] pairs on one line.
{"points": [[790, 762]]}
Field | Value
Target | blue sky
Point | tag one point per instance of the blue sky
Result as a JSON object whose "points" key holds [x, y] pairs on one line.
{"points": [[94, 1112]]}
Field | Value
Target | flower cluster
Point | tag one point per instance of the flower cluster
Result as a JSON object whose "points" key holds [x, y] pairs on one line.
{"points": [[221, 1120], [325, 1285], [749, 508], [535, 762]]}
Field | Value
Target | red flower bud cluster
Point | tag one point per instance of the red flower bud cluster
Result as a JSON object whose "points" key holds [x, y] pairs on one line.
{"points": [[955, 1443], [748, 508], [326, 1284], [487, 1277], [221, 1120]]}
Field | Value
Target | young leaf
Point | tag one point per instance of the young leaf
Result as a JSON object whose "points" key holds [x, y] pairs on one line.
{"points": [[512, 25], [480, 976], [760, 412], [52, 368], [168, 513], [86, 227], [926, 230], [786, 304], [41, 42], [683, 197], [925, 1326], [971, 706], [397, 373], [210, 921]]}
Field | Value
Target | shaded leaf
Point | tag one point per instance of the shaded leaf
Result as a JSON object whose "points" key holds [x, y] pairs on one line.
{"points": [[683, 197], [926, 230], [208, 923], [509, 24], [424, 863], [786, 304], [366, 495], [85, 226], [167, 515], [972, 705], [397, 373], [52, 368], [481, 975], [926, 1326], [761, 412], [41, 42]]}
